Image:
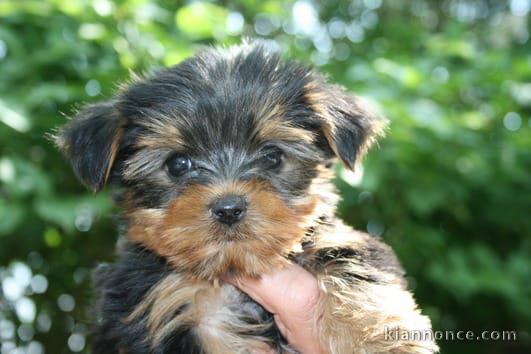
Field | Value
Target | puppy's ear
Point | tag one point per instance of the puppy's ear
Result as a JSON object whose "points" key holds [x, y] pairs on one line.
{"points": [[91, 141], [347, 125]]}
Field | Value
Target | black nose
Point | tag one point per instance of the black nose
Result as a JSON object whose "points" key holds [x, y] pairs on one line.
{"points": [[229, 210]]}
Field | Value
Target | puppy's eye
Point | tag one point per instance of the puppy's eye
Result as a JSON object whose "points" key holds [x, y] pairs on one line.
{"points": [[178, 164], [273, 159]]}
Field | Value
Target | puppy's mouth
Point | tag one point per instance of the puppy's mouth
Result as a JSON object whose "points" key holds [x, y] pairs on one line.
{"points": [[233, 233]]}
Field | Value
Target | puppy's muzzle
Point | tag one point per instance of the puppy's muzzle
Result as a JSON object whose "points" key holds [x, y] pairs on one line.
{"points": [[229, 209]]}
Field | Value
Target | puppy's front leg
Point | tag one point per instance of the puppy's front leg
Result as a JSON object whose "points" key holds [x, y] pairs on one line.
{"points": [[365, 306]]}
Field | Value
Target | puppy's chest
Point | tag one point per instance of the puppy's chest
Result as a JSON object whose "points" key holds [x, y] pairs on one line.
{"points": [[220, 318]]}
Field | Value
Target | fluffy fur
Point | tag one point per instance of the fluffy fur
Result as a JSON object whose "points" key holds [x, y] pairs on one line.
{"points": [[242, 123]]}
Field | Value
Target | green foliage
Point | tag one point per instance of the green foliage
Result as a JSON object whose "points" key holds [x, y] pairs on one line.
{"points": [[449, 187]]}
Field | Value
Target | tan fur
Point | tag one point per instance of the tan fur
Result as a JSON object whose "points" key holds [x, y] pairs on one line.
{"points": [[269, 230], [115, 146], [211, 309], [147, 163], [163, 301], [277, 128], [164, 134], [222, 329], [351, 318]]}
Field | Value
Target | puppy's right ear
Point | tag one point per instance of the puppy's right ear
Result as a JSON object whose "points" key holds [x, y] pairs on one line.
{"points": [[347, 125], [91, 141]]}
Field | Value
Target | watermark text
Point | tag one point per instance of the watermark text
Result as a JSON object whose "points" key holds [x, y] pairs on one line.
{"points": [[398, 334]]}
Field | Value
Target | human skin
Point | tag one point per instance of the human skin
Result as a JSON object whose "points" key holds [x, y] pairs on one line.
{"points": [[291, 295]]}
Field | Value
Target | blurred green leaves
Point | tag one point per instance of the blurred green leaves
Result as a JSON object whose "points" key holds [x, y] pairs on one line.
{"points": [[201, 20], [65, 212], [11, 215], [477, 271]]}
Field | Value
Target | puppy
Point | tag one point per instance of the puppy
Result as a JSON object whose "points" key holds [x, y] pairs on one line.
{"points": [[222, 166]]}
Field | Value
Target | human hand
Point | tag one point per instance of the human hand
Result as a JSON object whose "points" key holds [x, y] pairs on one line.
{"points": [[291, 295]]}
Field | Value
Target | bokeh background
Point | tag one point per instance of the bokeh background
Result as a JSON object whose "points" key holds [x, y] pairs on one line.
{"points": [[449, 187]]}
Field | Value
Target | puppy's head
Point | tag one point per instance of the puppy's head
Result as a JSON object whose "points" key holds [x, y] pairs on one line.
{"points": [[222, 159]]}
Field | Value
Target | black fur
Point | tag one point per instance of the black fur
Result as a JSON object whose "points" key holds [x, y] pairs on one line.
{"points": [[87, 142], [215, 100], [121, 287], [353, 126]]}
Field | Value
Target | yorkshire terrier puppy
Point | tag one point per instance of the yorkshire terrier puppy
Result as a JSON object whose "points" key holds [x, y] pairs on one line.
{"points": [[222, 166]]}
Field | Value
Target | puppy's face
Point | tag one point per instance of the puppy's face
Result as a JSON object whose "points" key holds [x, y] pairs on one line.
{"points": [[222, 159]]}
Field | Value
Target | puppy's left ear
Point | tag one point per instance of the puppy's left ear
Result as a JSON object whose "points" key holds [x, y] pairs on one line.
{"points": [[348, 126], [91, 141]]}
